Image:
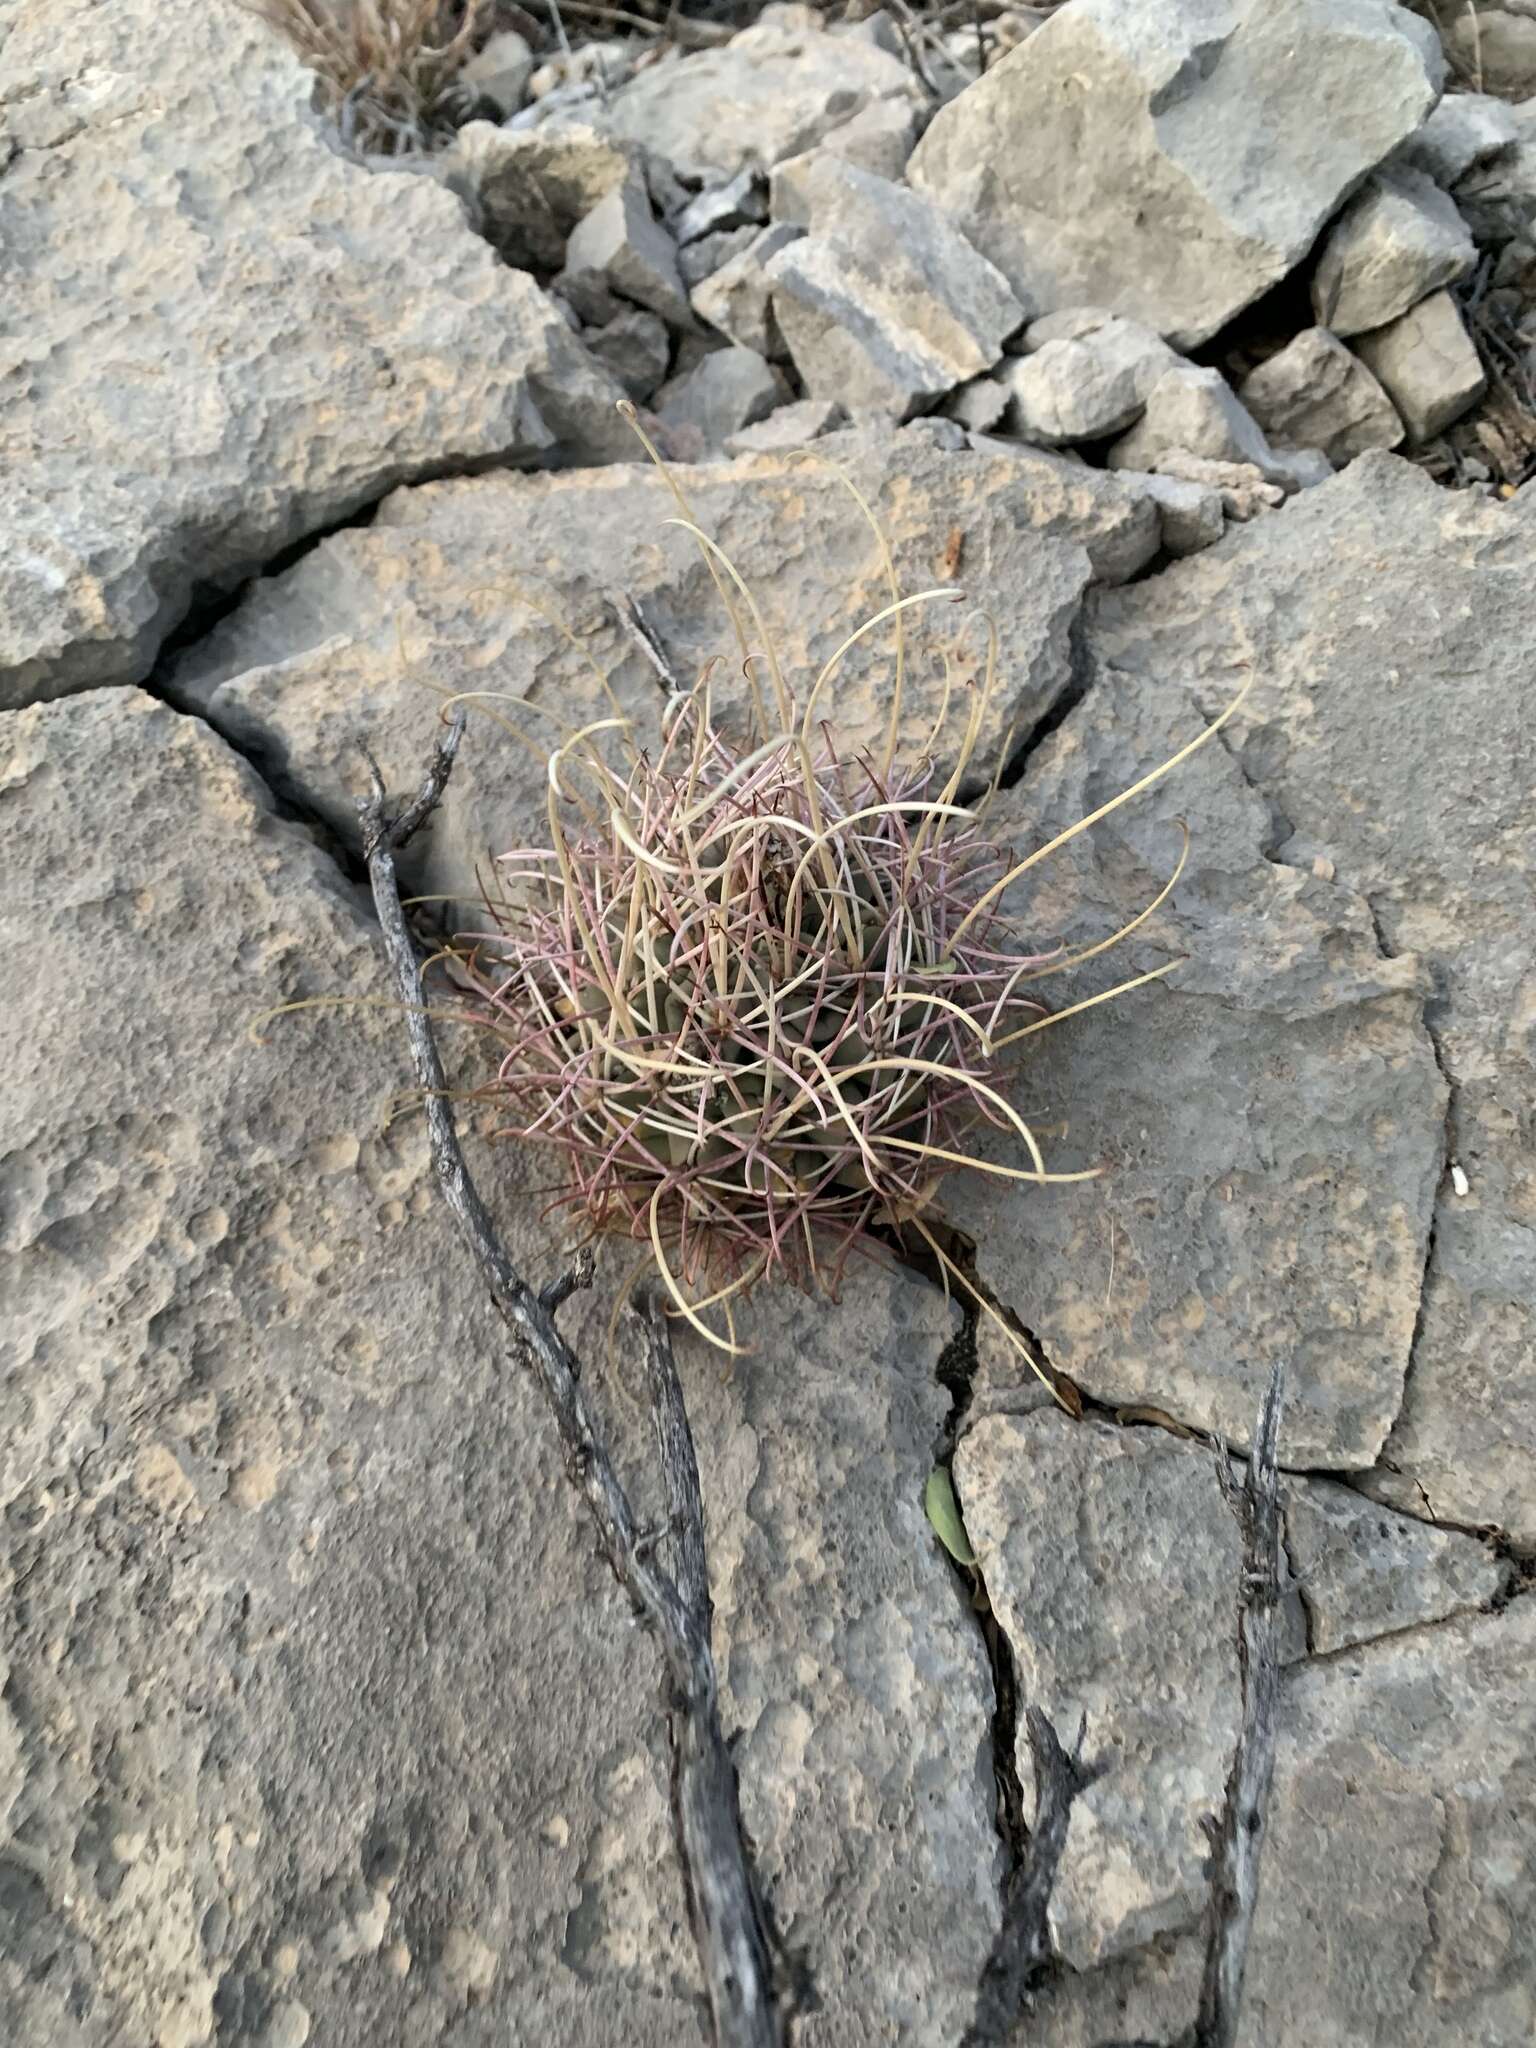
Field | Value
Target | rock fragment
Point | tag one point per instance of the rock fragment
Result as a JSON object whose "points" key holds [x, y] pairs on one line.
{"points": [[623, 242], [737, 298], [1196, 412], [1085, 386], [1317, 393], [729, 389], [1399, 239], [1427, 364]]}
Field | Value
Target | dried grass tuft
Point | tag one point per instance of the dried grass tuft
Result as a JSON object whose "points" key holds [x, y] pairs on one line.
{"points": [[387, 68]]}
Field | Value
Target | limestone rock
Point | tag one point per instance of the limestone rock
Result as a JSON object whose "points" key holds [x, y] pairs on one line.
{"points": [[1363, 1571], [1196, 412], [771, 92], [1242, 487], [224, 335], [1427, 364], [737, 298], [1191, 514], [500, 70], [1399, 239], [440, 593], [885, 306], [730, 389], [633, 347], [1392, 741], [1115, 521], [1088, 385], [1104, 1551], [735, 202], [269, 1478], [528, 189], [622, 241], [1172, 163], [1314, 390], [699, 261], [980, 405], [790, 426], [1466, 130]]}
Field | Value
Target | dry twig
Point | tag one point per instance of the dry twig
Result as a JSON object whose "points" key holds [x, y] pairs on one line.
{"points": [[746, 2006]]}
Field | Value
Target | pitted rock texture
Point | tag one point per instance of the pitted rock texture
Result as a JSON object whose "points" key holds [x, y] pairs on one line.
{"points": [[1267, 1119], [1389, 736], [467, 586], [219, 335], [1169, 161], [320, 1707]]}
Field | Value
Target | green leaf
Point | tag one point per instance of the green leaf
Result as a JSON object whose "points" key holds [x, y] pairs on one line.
{"points": [[943, 1510]]}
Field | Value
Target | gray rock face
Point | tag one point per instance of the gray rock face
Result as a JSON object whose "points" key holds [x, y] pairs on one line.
{"points": [[1399, 239], [1397, 1866], [1087, 385], [623, 242], [359, 634], [633, 347], [288, 332], [323, 1718], [1427, 364], [1195, 412], [790, 426], [1169, 163], [1392, 740], [528, 188], [1191, 514], [1316, 392], [730, 389], [770, 93], [737, 298], [1465, 130], [1363, 1571], [885, 306], [1267, 1121]]}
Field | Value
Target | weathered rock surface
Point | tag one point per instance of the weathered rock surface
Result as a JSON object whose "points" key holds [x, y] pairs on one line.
{"points": [[321, 1710], [634, 348], [729, 389], [1465, 130], [1397, 1867], [1171, 163], [1191, 514], [359, 634], [1399, 239], [791, 426], [1427, 364], [1191, 411], [770, 93], [884, 305], [624, 243], [737, 298], [222, 335], [1363, 1571], [1317, 393], [1390, 736], [1268, 1119], [1085, 385], [527, 189]]}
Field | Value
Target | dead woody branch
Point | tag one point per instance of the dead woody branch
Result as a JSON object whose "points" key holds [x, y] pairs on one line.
{"points": [[748, 2006]]}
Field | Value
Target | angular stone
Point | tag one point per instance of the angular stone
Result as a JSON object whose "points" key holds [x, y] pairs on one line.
{"points": [[737, 299], [1427, 364], [1302, 468], [700, 260], [1466, 130], [790, 426], [1116, 523], [1191, 514], [634, 348], [771, 92], [248, 1506], [500, 70], [1086, 386], [730, 389], [1242, 487], [1169, 163], [1363, 1571], [225, 335], [623, 241], [1383, 762], [889, 326], [358, 634], [1399, 239], [879, 138], [891, 298], [980, 405], [735, 202], [1265, 1121], [1316, 392], [1195, 412], [528, 188]]}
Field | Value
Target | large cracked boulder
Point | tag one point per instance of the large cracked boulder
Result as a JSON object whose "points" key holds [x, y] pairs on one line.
{"points": [[1172, 162], [220, 335], [1389, 632], [1398, 1869], [322, 1719], [474, 586], [1267, 1118]]}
